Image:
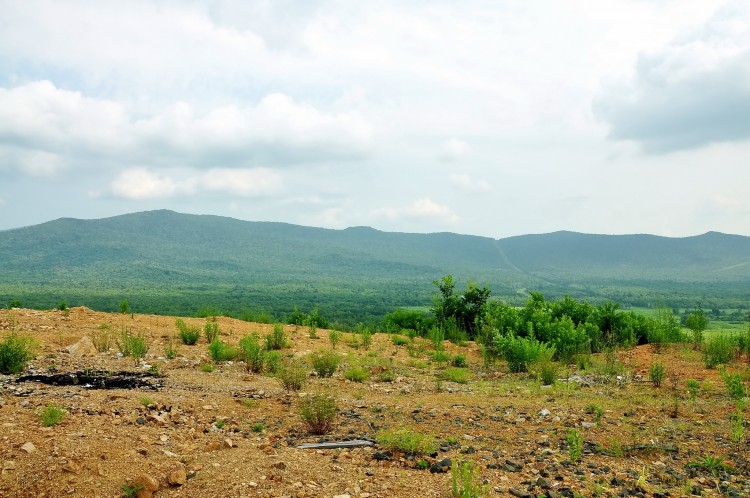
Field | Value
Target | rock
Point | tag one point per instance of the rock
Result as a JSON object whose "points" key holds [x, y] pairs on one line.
{"points": [[72, 466], [588, 425], [84, 347], [28, 447], [9, 465], [345, 495], [441, 467], [279, 465], [544, 413], [381, 456], [519, 493], [177, 476], [228, 443], [147, 484], [512, 466]]}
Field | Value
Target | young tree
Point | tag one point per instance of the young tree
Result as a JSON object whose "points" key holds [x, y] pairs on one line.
{"points": [[697, 322]]}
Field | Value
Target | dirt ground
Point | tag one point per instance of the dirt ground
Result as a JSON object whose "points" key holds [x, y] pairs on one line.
{"points": [[229, 433]]}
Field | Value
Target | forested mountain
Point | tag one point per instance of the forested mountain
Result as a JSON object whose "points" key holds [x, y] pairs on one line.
{"points": [[166, 262]]}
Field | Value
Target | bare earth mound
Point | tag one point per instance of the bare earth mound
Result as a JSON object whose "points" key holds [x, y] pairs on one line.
{"points": [[178, 430]]}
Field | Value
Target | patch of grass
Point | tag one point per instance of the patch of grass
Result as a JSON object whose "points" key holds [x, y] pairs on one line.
{"points": [[277, 339], [466, 482], [575, 445], [207, 367], [273, 362], [656, 373], [459, 361], [711, 464], [458, 375], [546, 371], [693, 387], [131, 344], [15, 353], [325, 363], [718, 351], [408, 441], [318, 411], [146, 401], [334, 336], [252, 353], [249, 403], [399, 340], [130, 490], [292, 376], [222, 352], [51, 415], [170, 349], [220, 423], [102, 338], [258, 427], [734, 385], [188, 334], [440, 356], [211, 331], [521, 352], [356, 374]]}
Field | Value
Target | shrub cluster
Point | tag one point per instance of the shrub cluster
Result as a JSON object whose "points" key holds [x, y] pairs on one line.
{"points": [[188, 334], [319, 412], [15, 353], [325, 363]]}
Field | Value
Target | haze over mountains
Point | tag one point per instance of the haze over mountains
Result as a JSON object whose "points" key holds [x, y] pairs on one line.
{"points": [[167, 262]]}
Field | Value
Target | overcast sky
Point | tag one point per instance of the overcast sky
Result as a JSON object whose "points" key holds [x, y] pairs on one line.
{"points": [[492, 118]]}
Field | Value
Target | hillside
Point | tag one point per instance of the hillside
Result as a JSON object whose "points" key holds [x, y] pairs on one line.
{"points": [[162, 261]]}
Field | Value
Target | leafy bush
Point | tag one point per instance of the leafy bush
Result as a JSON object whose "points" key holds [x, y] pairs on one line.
{"points": [[211, 331], [407, 441], [356, 374], [188, 334], [546, 371], [325, 363], [273, 362], [131, 344], [366, 338], [521, 352], [277, 339], [440, 356], [51, 415], [222, 352], [693, 387], [718, 351], [207, 367], [319, 412], [459, 361], [575, 445], [15, 353], [398, 340], [735, 386], [456, 374], [656, 373], [252, 353], [292, 376], [465, 481], [334, 336]]}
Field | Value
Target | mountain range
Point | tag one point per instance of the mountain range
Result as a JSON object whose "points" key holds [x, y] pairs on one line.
{"points": [[171, 263]]}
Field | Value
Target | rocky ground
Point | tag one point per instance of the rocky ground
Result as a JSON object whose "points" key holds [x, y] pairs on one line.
{"points": [[228, 433]]}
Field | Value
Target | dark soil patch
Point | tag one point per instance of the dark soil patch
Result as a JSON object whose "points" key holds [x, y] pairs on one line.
{"points": [[97, 379]]}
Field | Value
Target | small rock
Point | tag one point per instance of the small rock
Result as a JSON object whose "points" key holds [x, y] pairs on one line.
{"points": [[28, 447], [84, 347], [544, 413], [441, 467], [228, 443], [177, 476], [9, 465], [72, 466], [588, 425], [147, 484], [279, 465], [519, 493], [381, 456], [345, 495]]}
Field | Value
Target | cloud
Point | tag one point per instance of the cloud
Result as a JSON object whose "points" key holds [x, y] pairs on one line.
{"points": [[466, 184], [453, 149], [691, 93], [421, 209], [45, 120], [141, 183]]}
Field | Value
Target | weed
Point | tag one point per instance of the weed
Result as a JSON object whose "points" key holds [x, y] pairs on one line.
{"points": [[656, 373], [458, 375], [356, 374], [130, 490], [582, 361], [258, 427], [521, 352], [211, 331], [292, 376], [399, 340], [422, 465], [51, 415], [407, 441], [319, 412], [440, 356], [366, 336], [459, 361], [207, 367], [248, 403], [738, 427], [170, 349], [734, 384], [711, 464], [693, 387], [102, 338], [131, 344], [276, 340], [220, 423], [188, 334], [312, 331], [146, 401], [325, 363], [546, 371], [222, 352], [575, 445], [15, 353], [273, 362], [252, 353], [465, 481], [334, 336], [437, 336], [718, 351], [597, 411]]}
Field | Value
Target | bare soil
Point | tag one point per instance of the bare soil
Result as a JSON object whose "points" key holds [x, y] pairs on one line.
{"points": [[228, 433]]}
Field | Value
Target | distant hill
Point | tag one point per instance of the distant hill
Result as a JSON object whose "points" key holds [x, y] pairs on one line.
{"points": [[167, 262]]}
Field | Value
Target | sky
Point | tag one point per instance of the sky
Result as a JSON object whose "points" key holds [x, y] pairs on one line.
{"points": [[485, 117]]}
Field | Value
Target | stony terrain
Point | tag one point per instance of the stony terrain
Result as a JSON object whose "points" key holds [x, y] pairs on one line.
{"points": [[229, 433]]}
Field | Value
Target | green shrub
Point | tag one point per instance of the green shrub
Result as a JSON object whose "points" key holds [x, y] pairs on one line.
{"points": [[188, 334], [656, 373], [735, 386], [15, 353], [334, 336], [440, 356], [408, 441], [131, 344], [597, 411], [258, 427], [319, 412], [325, 363], [170, 350], [252, 353], [130, 490], [575, 445], [465, 481], [459, 361], [211, 331], [546, 371], [292, 375], [455, 374], [398, 340], [276, 340], [693, 387], [718, 351], [222, 352], [51, 415], [207, 367], [273, 362], [356, 374], [521, 352], [102, 338], [366, 338]]}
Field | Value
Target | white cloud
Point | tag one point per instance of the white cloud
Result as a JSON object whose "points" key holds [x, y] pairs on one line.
{"points": [[692, 92], [424, 209], [453, 149], [466, 184], [35, 163], [142, 183]]}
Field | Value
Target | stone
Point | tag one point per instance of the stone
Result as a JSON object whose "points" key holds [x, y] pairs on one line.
{"points": [[279, 465], [519, 493], [72, 466], [177, 476], [544, 413], [28, 447], [441, 467], [345, 495], [147, 484], [228, 443], [84, 347]]}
